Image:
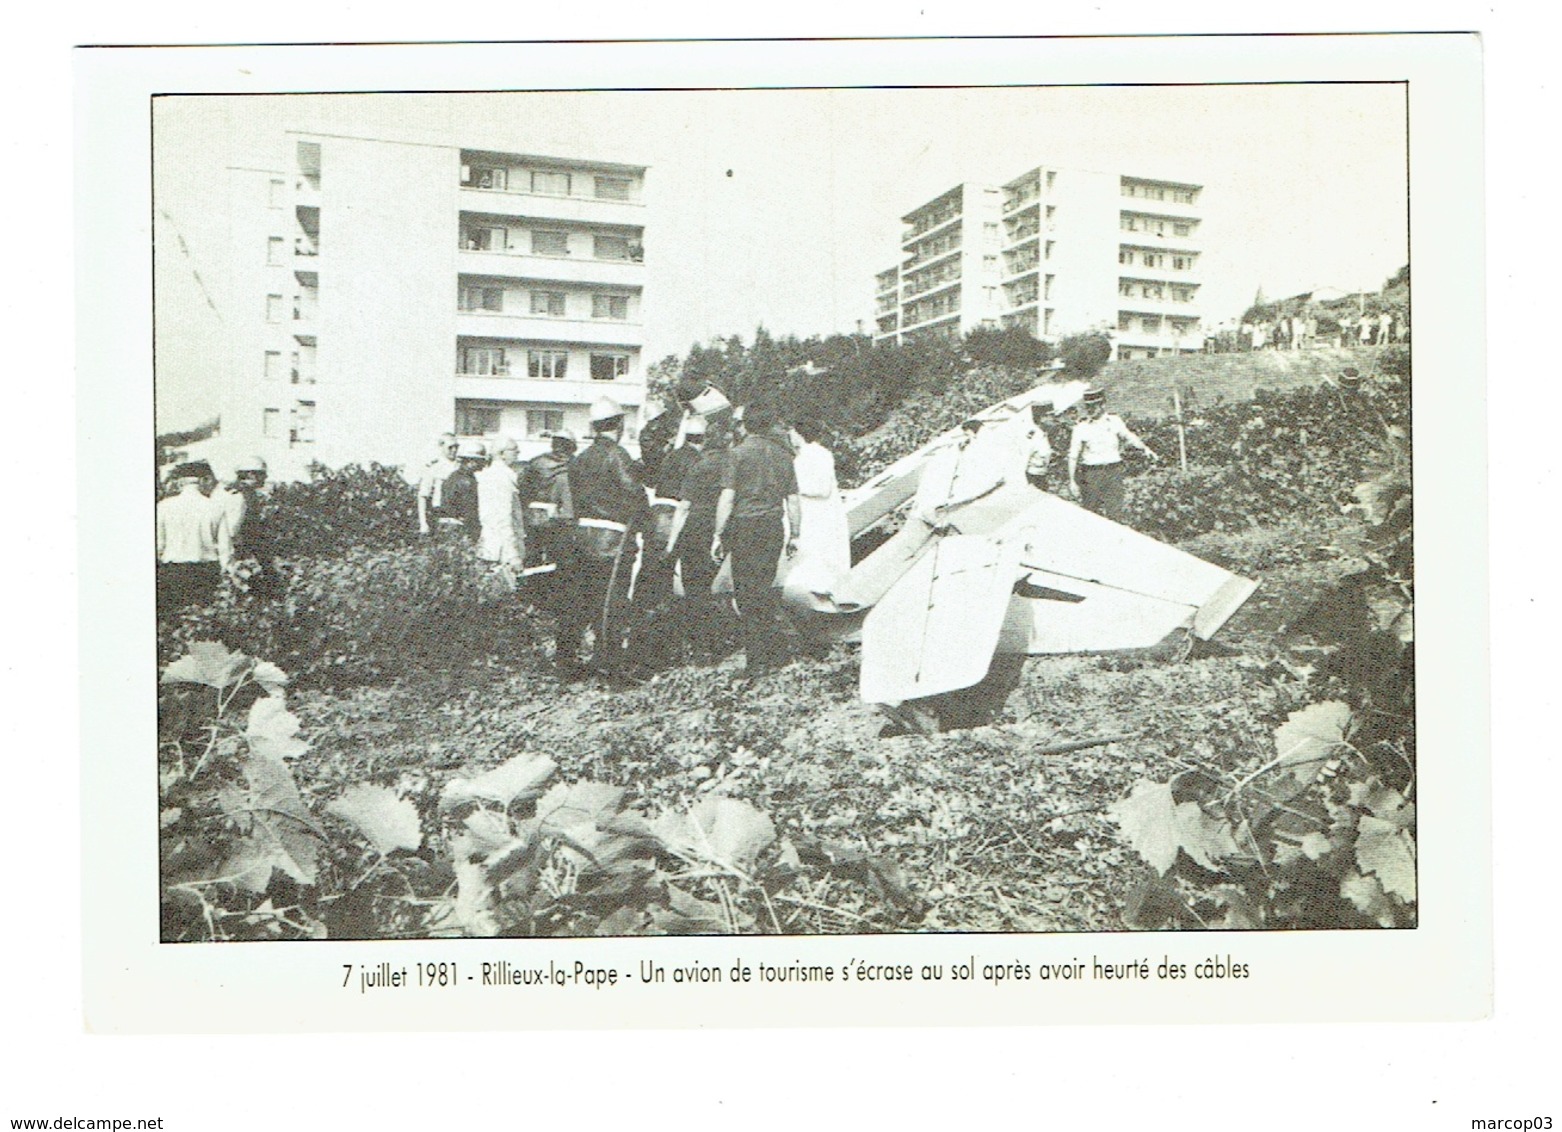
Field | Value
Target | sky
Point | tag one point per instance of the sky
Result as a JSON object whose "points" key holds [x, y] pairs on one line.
{"points": [[777, 207]]}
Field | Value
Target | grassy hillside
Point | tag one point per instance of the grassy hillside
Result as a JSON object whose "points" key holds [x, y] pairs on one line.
{"points": [[1143, 389]]}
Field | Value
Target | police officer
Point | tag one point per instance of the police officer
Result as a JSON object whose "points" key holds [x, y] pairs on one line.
{"points": [[1095, 456], [610, 508]]}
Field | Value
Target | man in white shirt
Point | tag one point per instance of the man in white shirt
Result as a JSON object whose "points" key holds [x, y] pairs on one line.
{"points": [[1095, 456], [192, 540], [502, 540], [431, 485]]}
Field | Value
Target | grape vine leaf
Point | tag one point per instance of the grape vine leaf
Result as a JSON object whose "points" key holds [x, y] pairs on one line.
{"points": [[1385, 850], [273, 730], [1304, 742], [472, 909], [1367, 895], [280, 829], [522, 775], [726, 831], [389, 822], [1148, 820], [1204, 838], [1157, 826], [489, 830], [272, 680], [208, 662]]}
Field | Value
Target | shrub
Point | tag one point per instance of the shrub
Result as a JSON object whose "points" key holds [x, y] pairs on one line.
{"points": [[368, 613], [342, 508]]}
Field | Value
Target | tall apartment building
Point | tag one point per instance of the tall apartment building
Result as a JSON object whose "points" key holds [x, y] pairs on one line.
{"points": [[384, 292], [1052, 252]]}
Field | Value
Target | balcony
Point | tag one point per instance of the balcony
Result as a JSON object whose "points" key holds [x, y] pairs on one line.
{"points": [[565, 392], [915, 234], [551, 268], [579, 210], [1164, 339], [1168, 274], [1150, 238], [1165, 306], [1167, 207], [533, 328]]}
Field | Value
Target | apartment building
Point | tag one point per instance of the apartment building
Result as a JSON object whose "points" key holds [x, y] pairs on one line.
{"points": [[1052, 252], [383, 292]]}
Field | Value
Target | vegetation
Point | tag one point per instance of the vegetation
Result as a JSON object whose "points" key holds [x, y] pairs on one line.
{"points": [[420, 771]]}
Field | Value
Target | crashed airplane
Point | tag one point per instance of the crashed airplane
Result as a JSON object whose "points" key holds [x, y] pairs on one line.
{"points": [[986, 564]]}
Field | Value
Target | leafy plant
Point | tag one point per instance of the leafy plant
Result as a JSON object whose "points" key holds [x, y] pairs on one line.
{"points": [[1323, 833]]}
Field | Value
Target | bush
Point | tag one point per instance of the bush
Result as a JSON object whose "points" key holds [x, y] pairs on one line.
{"points": [[340, 509], [370, 613]]}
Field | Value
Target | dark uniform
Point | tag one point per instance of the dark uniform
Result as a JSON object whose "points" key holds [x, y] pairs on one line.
{"points": [[761, 477], [459, 501], [701, 487], [604, 485], [254, 538]]}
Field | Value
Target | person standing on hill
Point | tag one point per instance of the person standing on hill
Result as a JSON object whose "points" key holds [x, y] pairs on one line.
{"points": [[610, 508], [250, 533], [458, 509], [1095, 457], [431, 484], [758, 517], [192, 540], [691, 549], [502, 540]]}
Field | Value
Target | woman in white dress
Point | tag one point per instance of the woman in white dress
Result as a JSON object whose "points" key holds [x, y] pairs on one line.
{"points": [[823, 546]]}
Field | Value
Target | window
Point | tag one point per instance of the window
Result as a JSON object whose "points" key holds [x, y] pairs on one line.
{"points": [[1047, 285], [550, 303], [990, 234], [488, 177], [1125, 256], [1154, 259], [476, 420], [612, 188], [271, 423], [276, 193], [1125, 288], [303, 430], [1049, 249], [554, 184], [550, 243], [609, 367], [1125, 322], [483, 361], [1182, 196], [482, 299], [547, 364], [539, 421], [274, 246], [1130, 224], [273, 370], [610, 247], [273, 308], [486, 239], [610, 306], [1181, 263], [1051, 209], [1181, 229]]}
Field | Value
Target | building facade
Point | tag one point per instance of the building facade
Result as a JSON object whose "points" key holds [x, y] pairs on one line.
{"points": [[383, 292], [1052, 252]]}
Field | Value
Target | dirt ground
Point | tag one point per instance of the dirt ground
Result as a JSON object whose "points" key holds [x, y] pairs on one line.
{"points": [[979, 829]]}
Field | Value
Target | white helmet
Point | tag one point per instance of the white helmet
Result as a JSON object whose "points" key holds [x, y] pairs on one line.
{"points": [[605, 410]]}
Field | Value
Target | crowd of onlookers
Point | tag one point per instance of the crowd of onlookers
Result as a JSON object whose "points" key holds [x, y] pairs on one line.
{"points": [[1310, 328]]}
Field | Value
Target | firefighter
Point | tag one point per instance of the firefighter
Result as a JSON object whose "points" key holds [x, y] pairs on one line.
{"points": [[610, 510]]}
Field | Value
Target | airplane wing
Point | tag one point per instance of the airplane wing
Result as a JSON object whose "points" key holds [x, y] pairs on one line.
{"points": [[1088, 584]]}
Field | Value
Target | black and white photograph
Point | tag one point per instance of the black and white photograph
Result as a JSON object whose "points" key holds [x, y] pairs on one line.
{"points": [[784, 511]]}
